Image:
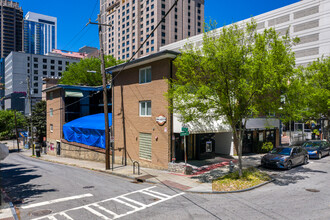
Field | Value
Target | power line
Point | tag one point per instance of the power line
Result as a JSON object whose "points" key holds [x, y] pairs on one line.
{"points": [[93, 9], [82, 28], [151, 34], [159, 23]]}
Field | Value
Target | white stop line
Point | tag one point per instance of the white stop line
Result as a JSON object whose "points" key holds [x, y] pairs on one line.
{"points": [[56, 201]]}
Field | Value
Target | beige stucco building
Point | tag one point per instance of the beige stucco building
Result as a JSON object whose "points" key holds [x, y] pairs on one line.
{"points": [[133, 20]]}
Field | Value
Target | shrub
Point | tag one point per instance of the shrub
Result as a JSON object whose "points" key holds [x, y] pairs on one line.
{"points": [[267, 146]]}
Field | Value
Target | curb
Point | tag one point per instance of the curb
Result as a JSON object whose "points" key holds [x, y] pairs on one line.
{"points": [[11, 205], [13, 211], [237, 191], [91, 169]]}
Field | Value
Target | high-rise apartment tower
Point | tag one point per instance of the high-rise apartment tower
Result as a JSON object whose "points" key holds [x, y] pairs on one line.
{"points": [[11, 24], [133, 20], [40, 33]]}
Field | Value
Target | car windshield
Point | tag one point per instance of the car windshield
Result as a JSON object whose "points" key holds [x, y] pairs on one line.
{"points": [[282, 151], [312, 145]]}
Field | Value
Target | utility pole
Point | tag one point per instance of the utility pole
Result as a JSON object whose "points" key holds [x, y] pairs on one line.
{"points": [[30, 105], [16, 131], [105, 95]]}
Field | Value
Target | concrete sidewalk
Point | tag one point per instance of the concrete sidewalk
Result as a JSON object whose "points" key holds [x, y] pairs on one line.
{"points": [[200, 181]]}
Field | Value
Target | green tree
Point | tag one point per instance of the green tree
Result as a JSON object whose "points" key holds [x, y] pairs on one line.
{"points": [[7, 123], [317, 86], [236, 72], [82, 73], [39, 120]]}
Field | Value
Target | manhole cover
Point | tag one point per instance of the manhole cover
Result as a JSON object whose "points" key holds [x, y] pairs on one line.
{"points": [[313, 190], [88, 187], [41, 212]]}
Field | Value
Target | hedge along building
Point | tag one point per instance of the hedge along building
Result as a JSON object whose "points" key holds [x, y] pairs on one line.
{"points": [[150, 133]]}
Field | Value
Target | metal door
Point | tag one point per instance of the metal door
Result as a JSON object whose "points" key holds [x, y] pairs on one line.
{"points": [[58, 148]]}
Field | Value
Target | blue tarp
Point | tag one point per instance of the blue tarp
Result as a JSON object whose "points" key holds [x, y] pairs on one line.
{"points": [[87, 130]]}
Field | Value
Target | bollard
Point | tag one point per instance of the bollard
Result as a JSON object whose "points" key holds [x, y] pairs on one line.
{"points": [[231, 166], [138, 166]]}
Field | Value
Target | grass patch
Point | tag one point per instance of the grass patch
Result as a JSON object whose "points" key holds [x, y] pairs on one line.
{"points": [[231, 182]]}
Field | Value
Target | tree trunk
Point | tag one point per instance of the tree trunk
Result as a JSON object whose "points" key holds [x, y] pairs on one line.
{"points": [[238, 145]]}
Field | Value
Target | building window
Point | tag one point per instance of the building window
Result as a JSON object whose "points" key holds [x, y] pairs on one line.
{"points": [[145, 75], [35, 59], [52, 61], [35, 91], [51, 128], [51, 112], [51, 96], [44, 60], [145, 108]]}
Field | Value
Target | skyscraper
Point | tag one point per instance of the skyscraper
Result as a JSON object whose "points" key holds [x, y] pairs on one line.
{"points": [[11, 34], [11, 27], [133, 20], [40, 33]]}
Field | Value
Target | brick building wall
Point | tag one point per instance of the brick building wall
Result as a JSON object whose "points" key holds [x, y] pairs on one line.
{"points": [[127, 94], [55, 119]]}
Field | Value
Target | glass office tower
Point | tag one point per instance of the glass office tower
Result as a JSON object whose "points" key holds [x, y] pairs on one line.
{"points": [[40, 33]]}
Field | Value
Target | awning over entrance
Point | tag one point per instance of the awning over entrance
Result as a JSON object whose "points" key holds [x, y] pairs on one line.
{"points": [[73, 93], [201, 126], [262, 123]]}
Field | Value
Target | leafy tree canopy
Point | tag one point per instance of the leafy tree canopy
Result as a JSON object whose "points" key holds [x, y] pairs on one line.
{"points": [[236, 72], [317, 78], [82, 73], [39, 120], [7, 123]]}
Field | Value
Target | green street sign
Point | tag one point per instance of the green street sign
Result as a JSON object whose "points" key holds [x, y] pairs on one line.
{"points": [[184, 129], [184, 133]]}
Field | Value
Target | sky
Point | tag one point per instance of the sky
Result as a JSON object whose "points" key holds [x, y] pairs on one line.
{"points": [[73, 15]]}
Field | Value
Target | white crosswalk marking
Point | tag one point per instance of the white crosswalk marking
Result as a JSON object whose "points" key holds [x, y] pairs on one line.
{"points": [[150, 194], [158, 193], [125, 203], [95, 212], [66, 216], [106, 210], [133, 201], [123, 200]]}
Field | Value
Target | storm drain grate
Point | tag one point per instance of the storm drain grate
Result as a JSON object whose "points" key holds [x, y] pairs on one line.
{"points": [[88, 187], [40, 213], [313, 190]]}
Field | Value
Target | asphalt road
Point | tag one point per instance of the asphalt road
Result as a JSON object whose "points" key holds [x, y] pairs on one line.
{"points": [[43, 190]]}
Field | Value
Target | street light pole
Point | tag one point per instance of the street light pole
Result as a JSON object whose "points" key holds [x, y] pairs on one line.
{"points": [[105, 95]]}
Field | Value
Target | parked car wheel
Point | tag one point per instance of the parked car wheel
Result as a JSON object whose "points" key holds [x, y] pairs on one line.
{"points": [[306, 160], [319, 155], [289, 166]]}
